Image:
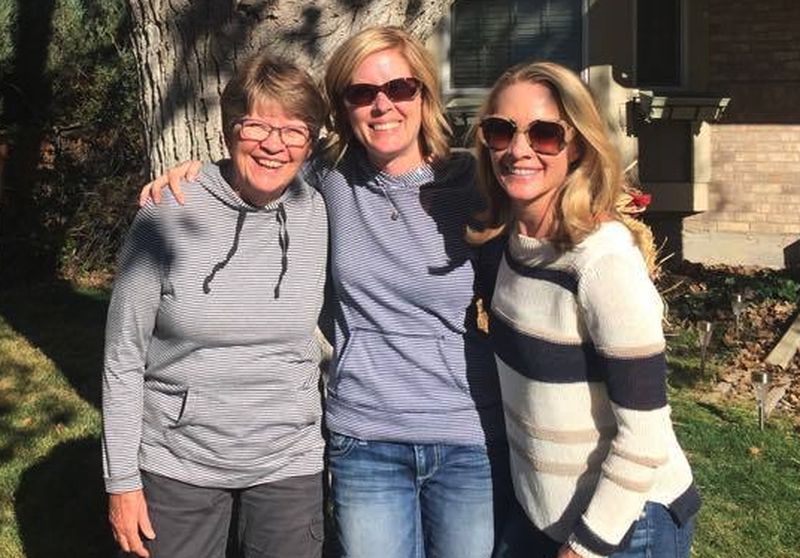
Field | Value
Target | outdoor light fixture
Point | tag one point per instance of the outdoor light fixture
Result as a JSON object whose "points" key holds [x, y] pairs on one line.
{"points": [[737, 306], [761, 382], [704, 338]]}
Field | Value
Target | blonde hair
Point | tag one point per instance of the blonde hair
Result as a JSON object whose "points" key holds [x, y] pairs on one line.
{"points": [[435, 131], [265, 77], [594, 185]]}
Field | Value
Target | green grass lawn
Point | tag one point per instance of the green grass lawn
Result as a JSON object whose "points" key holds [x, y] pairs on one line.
{"points": [[749, 480], [51, 494]]}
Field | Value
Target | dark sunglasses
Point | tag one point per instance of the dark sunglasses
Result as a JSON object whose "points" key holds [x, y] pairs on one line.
{"points": [[400, 89], [545, 137]]}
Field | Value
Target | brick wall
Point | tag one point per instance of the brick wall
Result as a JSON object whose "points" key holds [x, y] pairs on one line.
{"points": [[755, 180], [754, 55]]}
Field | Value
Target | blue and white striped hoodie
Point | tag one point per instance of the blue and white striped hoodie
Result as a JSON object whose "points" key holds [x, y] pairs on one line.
{"points": [[409, 364]]}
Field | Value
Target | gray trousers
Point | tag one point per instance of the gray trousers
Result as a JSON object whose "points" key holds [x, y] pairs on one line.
{"points": [[282, 519]]}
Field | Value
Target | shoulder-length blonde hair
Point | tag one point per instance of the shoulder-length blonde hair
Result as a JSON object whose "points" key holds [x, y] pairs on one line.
{"points": [[594, 183], [435, 132]]}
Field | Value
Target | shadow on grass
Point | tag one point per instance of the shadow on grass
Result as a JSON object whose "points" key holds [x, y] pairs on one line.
{"points": [[722, 413], [60, 500], [683, 375], [61, 507], [66, 325]]}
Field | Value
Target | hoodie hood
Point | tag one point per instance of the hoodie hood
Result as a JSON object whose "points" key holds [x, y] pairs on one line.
{"points": [[457, 170]]}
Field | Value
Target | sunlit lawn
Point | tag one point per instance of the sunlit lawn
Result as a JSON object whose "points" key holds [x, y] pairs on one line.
{"points": [[51, 499], [51, 495]]}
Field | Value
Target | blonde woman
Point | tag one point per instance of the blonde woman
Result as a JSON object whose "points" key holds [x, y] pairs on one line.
{"points": [[576, 324], [417, 449], [416, 446]]}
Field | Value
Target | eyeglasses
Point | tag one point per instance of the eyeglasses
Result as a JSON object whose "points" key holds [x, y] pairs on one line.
{"points": [[258, 130], [398, 90], [544, 136]]}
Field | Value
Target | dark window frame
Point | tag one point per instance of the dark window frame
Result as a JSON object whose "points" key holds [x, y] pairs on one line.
{"points": [[666, 68]]}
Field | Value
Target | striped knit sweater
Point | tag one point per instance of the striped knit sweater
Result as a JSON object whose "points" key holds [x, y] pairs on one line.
{"points": [[409, 365], [580, 354], [211, 368]]}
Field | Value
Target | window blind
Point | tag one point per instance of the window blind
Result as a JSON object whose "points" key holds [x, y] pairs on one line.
{"points": [[486, 37]]}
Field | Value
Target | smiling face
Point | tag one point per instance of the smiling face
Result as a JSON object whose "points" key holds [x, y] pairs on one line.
{"points": [[263, 170], [530, 180], [388, 130]]}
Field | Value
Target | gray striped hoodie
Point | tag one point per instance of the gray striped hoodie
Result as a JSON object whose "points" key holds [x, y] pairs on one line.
{"points": [[211, 373]]}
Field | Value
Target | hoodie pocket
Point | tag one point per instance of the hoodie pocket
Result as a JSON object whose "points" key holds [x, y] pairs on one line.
{"points": [[235, 427], [400, 373], [163, 407]]}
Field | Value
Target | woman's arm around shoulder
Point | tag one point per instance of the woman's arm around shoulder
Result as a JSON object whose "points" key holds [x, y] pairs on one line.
{"points": [[188, 170]]}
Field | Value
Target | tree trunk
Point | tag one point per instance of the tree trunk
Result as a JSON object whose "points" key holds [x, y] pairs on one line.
{"points": [[187, 49]]}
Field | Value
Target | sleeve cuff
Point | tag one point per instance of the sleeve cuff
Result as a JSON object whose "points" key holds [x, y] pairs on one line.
{"points": [[124, 484], [577, 547]]}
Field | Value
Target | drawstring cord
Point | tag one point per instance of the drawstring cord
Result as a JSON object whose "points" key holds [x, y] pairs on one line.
{"points": [[283, 242], [231, 252]]}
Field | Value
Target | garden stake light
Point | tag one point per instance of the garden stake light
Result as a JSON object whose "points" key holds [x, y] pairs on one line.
{"points": [[737, 306], [761, 382], [704, 338]]}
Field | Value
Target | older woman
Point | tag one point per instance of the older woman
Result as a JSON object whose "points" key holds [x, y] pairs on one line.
{"points": [[210, 388], [417, 449], [577, 330]]}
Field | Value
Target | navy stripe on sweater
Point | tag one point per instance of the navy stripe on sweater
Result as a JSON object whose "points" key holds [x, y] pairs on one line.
{"points": [[634, 383], [558, 277], [542, 360]]}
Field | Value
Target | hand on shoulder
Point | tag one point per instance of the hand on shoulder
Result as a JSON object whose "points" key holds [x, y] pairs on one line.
{"points": [[188, 170]]}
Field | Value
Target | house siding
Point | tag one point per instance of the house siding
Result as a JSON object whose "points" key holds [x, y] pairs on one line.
{"points": [[754, 194]]}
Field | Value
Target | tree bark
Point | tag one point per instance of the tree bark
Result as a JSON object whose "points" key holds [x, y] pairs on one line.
{"points": [[187, 49]]}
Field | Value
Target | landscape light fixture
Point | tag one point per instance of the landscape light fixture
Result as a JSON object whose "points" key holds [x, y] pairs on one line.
{"points": [[703, 338], [761, 382], [737, 306]]}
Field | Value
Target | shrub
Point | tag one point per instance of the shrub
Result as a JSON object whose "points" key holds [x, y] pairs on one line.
{"points": [[89, 150]]}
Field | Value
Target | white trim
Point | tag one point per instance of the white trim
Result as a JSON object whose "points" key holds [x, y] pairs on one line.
{"points": [[584, 72]]}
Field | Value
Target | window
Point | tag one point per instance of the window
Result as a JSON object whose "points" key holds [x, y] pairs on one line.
{"points": [[659, 42], [488, 37]]}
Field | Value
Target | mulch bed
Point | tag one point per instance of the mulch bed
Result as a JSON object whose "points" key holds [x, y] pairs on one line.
{"points": [[695, 292]]}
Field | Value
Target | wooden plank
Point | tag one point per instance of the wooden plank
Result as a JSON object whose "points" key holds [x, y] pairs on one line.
{"points": [[784, 351], [773, 398]]}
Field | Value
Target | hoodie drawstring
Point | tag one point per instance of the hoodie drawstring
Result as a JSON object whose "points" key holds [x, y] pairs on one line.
{"points": [[283, 242], [231, 252]]}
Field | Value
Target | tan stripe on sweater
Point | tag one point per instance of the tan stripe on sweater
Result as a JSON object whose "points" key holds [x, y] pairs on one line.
{"points": [[562, 436], [629, 484], [551, 467], [644, 460]]}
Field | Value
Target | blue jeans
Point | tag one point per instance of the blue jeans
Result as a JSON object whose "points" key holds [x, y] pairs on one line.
{"points": [[658, 535], [397, 500], [655, 535]]}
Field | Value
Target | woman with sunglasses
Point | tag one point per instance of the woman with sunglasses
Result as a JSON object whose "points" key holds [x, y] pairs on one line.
{"points": [[210, 387], [417, 450], [418, 459], [576, 324]]}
